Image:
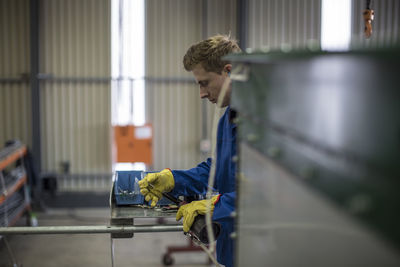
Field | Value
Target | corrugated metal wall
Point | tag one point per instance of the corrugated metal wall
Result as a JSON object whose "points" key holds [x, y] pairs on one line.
{"points": [[277, 23], [174, 107], [75, 66], [75, 88], [15, 103], [385, 27]]}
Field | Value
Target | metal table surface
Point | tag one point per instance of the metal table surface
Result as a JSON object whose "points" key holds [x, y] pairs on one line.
{"points": [[121, 223], [132, 212]]}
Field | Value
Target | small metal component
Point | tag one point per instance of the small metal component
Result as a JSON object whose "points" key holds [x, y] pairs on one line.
{"points": [[199, 229], [233, 235], [170, 208], [122, 192], [127, 193], [235, 158], [122, 222], [368, 15]]}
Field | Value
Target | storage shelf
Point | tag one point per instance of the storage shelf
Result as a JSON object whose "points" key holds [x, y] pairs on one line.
{"points": [[13, 156], [12, 189], [14, 195], [18, 214]]}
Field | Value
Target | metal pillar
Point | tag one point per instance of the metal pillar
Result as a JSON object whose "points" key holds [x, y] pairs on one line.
{"points": [[204, 33], [34, 81], [242, 22]]}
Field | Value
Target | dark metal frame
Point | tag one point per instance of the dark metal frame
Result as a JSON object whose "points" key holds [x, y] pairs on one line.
{"points": [[34, 81], [242, 22]]}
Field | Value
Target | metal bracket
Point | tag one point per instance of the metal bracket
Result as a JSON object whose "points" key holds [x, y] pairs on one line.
{"points": [[122, 222]]}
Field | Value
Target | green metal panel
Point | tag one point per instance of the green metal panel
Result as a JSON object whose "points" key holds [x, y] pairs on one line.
{"points": [[331, 119]]}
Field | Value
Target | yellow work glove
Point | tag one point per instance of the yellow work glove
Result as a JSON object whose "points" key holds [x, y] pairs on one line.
{"points": [[194, 208], [160, 182]]}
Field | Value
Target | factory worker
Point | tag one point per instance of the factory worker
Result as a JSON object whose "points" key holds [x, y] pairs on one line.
{"points": [[204, 60]]}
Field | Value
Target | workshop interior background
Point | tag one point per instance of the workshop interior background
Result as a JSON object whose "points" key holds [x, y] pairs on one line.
{"points": [[59, 94], [72, 119]]}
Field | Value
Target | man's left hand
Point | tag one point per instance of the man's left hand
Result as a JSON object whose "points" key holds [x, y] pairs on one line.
{"points": [[194, 208]]}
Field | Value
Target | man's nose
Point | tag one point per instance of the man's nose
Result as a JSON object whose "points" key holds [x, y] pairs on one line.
{"points": [[203, 93]]}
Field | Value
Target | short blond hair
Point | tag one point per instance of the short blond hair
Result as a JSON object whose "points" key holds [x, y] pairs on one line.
{"points": [[209, 53]]}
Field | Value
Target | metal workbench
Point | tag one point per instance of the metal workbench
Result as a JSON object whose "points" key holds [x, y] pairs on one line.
{"points": [[122, 224]]}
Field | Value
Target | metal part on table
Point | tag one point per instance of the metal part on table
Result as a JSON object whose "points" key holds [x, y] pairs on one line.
{"points": [[127, 190], [124, 215], [135, 211], [121, 222]]}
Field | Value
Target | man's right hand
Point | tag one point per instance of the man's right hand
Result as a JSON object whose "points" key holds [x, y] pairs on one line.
{"points": [[154, 184]]}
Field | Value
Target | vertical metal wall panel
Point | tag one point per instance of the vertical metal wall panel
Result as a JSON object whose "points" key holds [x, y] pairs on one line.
{"points": [[385, 26], [174, 108], [15, 120], [76, 103], [276, 24], [220, 19]]}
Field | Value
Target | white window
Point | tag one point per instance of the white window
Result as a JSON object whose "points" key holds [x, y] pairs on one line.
{"points": [[335, 25], [128, 67], [128, 62]]}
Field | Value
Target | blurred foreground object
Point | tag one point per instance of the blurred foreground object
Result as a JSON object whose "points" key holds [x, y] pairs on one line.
{"points": [[318, 166]]}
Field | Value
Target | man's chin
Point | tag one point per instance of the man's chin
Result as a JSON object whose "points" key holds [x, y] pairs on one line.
{"points": [[223, 105]]}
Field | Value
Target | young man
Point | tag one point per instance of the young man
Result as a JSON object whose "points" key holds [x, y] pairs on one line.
{"points": [[204, 60]]}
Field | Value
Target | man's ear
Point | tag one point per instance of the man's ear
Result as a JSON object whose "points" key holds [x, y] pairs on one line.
{"points": [[228, 68]]}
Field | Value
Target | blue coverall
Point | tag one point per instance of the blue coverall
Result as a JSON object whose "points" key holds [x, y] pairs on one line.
{"points": [[194, 182]]}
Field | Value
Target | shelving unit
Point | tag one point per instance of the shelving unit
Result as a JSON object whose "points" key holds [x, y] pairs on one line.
{"points": [[14, 196]]}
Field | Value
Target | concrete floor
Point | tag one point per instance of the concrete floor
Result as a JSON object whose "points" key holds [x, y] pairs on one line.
{"points": [[144, 249]]}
